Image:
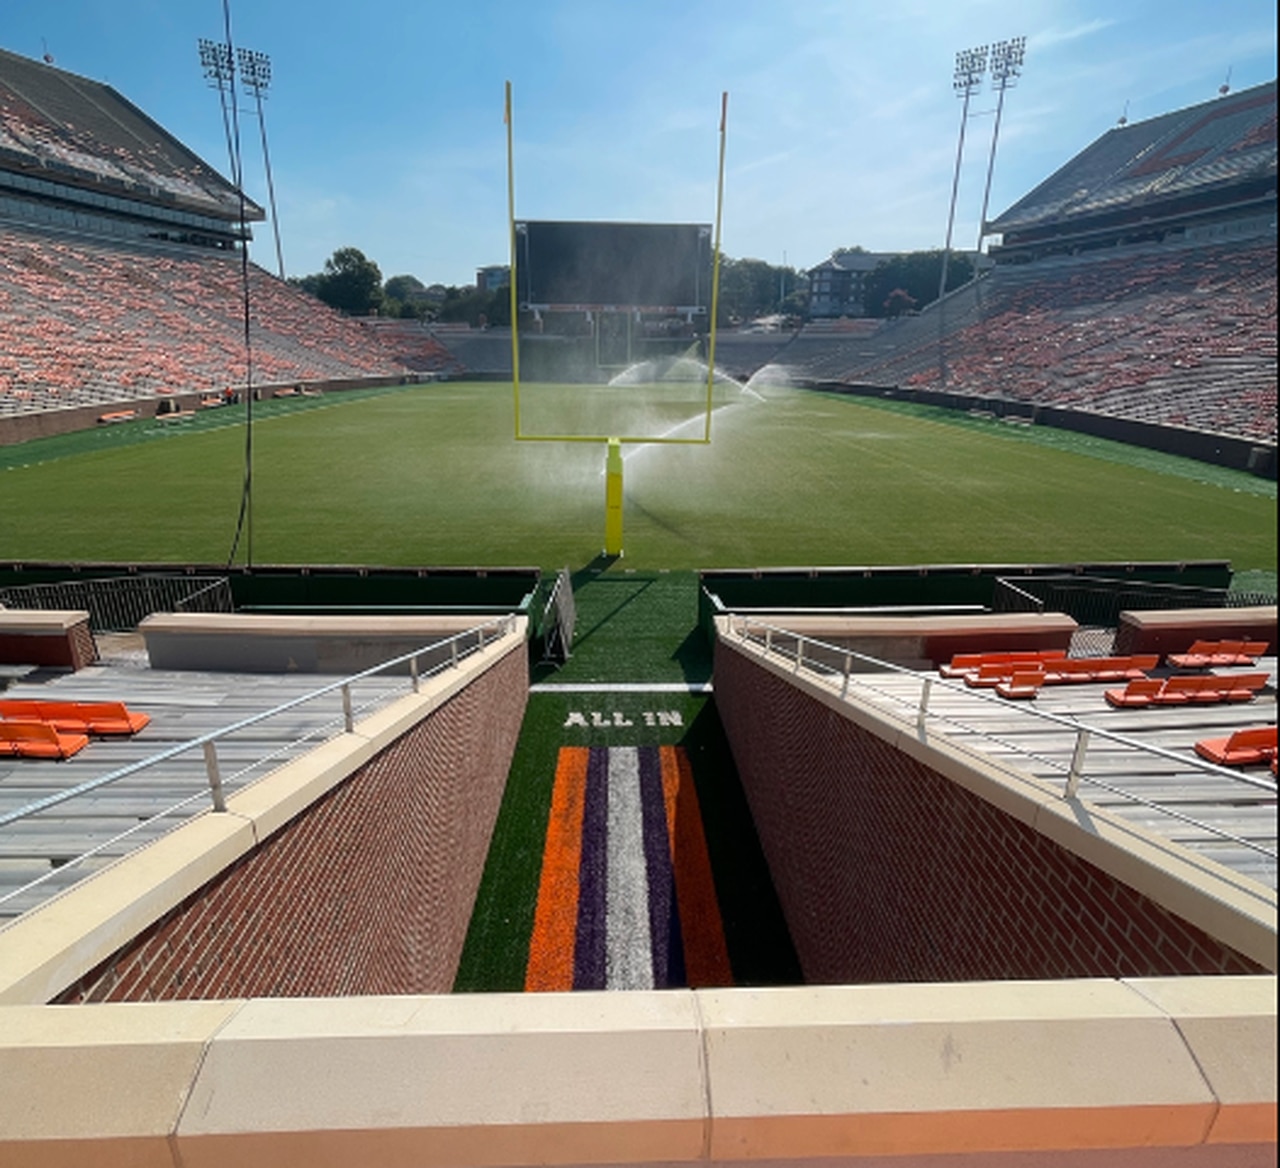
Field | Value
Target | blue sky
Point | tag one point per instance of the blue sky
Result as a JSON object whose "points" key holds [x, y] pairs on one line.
{"points": [[385, 122]]}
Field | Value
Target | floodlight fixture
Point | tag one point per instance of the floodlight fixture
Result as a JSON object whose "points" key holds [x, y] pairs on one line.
{"points": [[255, 70], [1006, 62], [1006, 67], [255, 74], [216, 60], [971, 64], [218, 63]]}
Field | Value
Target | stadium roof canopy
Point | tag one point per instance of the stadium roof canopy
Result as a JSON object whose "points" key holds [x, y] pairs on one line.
{"points": [[56, 125], [1204, 161]]}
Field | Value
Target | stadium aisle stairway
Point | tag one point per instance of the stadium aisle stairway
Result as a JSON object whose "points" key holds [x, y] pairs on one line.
{"points": [[624, 855]]}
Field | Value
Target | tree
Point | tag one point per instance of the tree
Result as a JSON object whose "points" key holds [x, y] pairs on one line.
{"points": [[477, 307], [350, 282], [897, 302], [750, 288], [403, 288], [916, 275]]}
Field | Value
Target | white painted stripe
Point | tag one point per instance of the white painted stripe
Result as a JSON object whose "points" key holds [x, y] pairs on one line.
{"points": [[693, 687], [628, 957]]}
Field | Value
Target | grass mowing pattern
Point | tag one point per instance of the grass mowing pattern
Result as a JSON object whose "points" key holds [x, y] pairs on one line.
{"points": [[431, 475], [1072, 442], [142, 430], [639, 628]]}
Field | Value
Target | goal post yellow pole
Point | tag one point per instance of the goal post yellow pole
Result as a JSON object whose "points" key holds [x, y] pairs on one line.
{"points": [[715, 270], [613, 499], [511, 277]]}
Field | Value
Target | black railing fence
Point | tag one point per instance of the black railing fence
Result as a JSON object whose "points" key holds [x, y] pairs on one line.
{"points": [[120, 603]]}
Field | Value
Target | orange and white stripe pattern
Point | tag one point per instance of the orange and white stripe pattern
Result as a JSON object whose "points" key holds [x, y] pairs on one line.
{"points": [[626, 898]]}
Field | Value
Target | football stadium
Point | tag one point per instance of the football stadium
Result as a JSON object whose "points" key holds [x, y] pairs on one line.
{"points": [[618, 738]]}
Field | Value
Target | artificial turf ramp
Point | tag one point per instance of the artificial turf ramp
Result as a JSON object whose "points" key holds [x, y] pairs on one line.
{"points": [[639, 631]]}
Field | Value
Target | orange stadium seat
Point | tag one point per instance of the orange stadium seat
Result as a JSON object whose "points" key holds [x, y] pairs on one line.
{"points": [[1201, 689], [76, 717], [38, 740], [1243, 748]]}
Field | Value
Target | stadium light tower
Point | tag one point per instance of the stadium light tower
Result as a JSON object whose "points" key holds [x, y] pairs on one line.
{"points": [[971, 64], [255, 73], [220, 70], [1006, 68]]}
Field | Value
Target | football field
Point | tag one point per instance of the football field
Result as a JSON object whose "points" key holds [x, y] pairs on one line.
{"points": [[433, 475]]}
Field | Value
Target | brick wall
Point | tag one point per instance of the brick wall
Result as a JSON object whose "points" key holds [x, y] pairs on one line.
{"points": [[368, 891], [889, 872]]}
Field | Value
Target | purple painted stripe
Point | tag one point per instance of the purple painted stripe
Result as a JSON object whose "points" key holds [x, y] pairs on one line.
{"points": [[589, 952], [657, 857]]}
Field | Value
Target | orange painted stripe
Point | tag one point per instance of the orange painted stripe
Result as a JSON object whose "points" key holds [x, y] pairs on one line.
{"points": [[555, 921], [706, 955]]}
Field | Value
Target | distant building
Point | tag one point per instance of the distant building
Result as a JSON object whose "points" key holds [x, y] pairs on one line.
{"points": [[493, 277], [836, 284]]}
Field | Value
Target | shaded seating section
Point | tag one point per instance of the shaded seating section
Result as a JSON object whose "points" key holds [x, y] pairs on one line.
{"points": [[483, 352], [100, 321], [1207, 654], [100, 718], [743, 354], [38, 740], [415, 346], [1203, 689], [1177, 334], [1243, 748]]}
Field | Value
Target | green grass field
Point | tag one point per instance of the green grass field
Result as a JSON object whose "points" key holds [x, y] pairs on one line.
{"points": [[432, 475]]}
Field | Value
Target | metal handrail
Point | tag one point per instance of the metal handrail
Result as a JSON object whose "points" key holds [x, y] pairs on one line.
{"points": [[768, 642], [505, 625], [207, 742]]}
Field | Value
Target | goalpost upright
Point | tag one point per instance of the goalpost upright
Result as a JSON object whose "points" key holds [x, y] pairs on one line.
{"points": [[612, 442]]}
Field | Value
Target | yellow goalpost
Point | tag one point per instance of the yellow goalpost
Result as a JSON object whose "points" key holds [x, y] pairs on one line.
{"points": [[612, 443]]}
